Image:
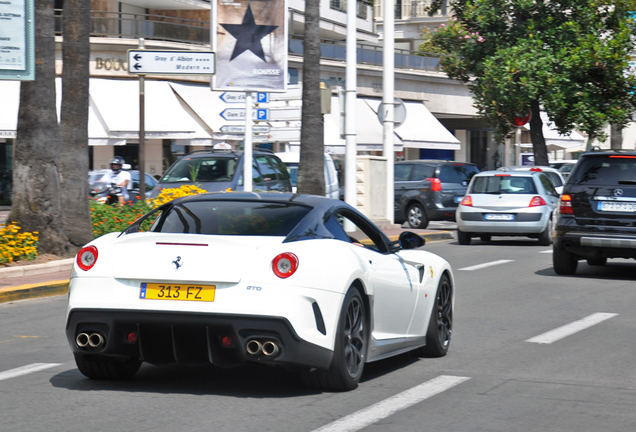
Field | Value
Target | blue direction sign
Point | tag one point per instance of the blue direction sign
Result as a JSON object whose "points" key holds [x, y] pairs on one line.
{"points": [[238, 114], [239, 97]]}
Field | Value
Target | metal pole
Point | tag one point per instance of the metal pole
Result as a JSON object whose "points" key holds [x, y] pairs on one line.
{"points": [[351, 85], [247, 151], [388, 101], [142, 132]]}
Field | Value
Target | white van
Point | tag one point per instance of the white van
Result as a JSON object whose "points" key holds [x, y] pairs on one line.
{"points": [[291, 159]]}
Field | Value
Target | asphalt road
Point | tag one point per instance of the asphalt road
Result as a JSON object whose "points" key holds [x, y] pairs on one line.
{"points": [[581, 377]]}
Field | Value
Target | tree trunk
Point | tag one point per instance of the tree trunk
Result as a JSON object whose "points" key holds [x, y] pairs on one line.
{"points": [[616, 138], [74, 122], [311, 177], [536, 135], [36, 182]]}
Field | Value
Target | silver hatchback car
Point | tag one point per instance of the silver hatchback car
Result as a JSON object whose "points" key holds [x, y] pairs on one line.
{"points": [[515, 203]]}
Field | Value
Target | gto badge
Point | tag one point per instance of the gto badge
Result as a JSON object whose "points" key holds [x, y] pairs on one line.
{"points": [[177, 264], [618, 192]]}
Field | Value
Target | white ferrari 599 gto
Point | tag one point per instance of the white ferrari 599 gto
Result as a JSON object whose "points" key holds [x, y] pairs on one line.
{"points": [[279, 279]]}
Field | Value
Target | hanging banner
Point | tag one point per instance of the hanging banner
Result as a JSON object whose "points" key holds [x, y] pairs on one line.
{"points": [[250, 42]]}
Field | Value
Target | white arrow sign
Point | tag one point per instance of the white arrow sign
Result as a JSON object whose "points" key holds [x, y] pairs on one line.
{"points": [[241, 129], [236, 114], [171, 62]]}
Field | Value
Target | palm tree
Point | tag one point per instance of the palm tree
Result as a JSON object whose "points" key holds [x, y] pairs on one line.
{"points": [[311, 178], [36, 204]]}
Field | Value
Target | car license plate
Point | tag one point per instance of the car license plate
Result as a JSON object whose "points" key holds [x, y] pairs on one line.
{"points": [[503, 217], [191, 292], [617, 206]]}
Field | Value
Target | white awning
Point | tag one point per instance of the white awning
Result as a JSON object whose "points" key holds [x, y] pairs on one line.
{"points": [[117, 102], [369, 130], [555, 141], [10, 91], [420, 128]]}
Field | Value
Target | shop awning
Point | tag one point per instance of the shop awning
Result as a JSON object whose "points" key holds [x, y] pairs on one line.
{"points": [[420, 128], [369, 130], [117, 102], [10, 91]]}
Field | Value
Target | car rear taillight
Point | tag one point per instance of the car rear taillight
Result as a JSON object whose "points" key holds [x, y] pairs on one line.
{"points": [[285, 265], [87, 257], [502, 175], [536, 169], [566, 205], [467, 201], [436, 184], [537, 201]]}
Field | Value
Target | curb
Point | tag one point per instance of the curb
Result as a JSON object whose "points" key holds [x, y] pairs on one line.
{"points": [[36, 269], [23, 292]]}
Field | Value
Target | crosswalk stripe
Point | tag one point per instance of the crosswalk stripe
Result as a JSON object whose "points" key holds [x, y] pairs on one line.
{"points": [[485, 265], [570, 329], [387, 407], [24, 370]]}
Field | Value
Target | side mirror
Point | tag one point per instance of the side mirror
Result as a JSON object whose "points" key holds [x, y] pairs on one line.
{"points": [[410, 240]]}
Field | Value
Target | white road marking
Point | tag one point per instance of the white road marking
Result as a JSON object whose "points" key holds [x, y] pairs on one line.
{"points": [[570, 329], [24, 370], [485, 265], [547, 251], [387, 407]]}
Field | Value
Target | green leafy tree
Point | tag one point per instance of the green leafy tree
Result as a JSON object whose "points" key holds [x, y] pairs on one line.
{"points": [[568, 58]]}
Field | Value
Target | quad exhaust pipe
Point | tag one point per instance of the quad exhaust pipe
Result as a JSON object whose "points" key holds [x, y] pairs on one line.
{"points": [[257, 348], [92, 340]]}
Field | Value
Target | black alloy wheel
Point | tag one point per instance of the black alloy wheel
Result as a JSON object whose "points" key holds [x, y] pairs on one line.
{"points": [[440, 327], [350, 349], [564, 262]]}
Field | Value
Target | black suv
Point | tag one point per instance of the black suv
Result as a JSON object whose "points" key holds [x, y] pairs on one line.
{"points": [[596, 218], [428, 190], [221, 170]]}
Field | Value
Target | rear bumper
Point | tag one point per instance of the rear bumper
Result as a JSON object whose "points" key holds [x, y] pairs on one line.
{"points": [[193, 338], [596, 245], [524, 223]]}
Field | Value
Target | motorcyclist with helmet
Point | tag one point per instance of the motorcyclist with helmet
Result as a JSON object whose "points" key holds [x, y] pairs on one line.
{"points": [[120, 177]]}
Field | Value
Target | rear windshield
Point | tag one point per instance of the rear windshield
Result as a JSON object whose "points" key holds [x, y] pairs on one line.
{"points": [[606, 170], [504, 184], [457, 173], [243, 218], [201, 169]]}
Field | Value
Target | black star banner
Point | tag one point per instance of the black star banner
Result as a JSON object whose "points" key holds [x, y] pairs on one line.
{"points": [[250, 43]]}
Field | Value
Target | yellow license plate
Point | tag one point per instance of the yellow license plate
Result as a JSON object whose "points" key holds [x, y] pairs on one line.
{"points": [[191, 292]]}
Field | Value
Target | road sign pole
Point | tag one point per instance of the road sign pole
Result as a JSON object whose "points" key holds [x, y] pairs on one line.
{"points": [[247, 159], [142, 132]]}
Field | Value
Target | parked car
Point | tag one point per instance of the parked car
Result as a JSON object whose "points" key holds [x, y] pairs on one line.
{"points": [[515, 203], [332, 186], [428, 190], [553, 174], [596, 219], [98, 186], [235, 278], [220, 170]]}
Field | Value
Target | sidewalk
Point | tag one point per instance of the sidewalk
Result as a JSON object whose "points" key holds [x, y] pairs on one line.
{"points": [[52, 278]]}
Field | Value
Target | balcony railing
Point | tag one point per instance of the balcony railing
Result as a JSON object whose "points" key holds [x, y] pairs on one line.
{"points": [[369, 54], [135, 26], [158, 27]]}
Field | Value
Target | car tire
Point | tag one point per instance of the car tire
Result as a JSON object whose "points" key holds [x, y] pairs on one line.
{"points": [[350, 349], [485, 237], [597, 261], [564, 262], [463, 237], [545, 238], [102, 368], [440, 327], [416, 216]]}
